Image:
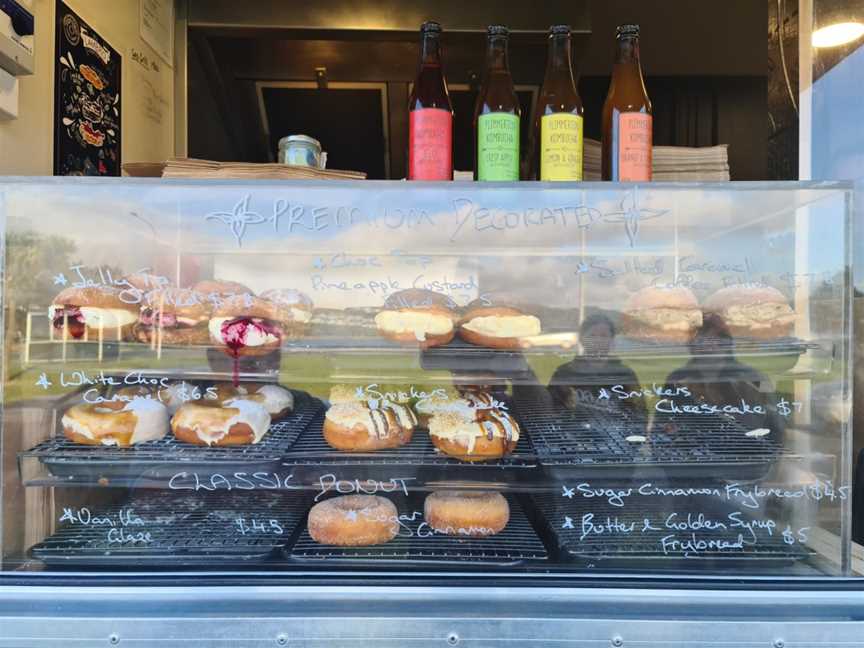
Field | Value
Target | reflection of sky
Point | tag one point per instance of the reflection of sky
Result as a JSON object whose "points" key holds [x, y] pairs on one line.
{"points": [[838, 136], [557, 246]]}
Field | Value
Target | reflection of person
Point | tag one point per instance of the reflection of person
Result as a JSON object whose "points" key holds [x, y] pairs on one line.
{"points": [[713, 376], [580, 381]]}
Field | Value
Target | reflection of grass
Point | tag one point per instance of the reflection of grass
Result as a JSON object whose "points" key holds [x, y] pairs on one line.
{"points": [[312, 371]]}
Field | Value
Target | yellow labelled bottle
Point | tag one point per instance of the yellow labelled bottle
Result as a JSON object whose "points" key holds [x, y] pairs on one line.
{"points": [[558, 127]]}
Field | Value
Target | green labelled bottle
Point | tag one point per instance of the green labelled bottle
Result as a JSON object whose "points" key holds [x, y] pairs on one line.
{"points": [[496, 117], [558, 142]]}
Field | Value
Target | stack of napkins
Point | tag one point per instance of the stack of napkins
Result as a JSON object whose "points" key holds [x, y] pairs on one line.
{"points": [[193, 168], [672, 163]]}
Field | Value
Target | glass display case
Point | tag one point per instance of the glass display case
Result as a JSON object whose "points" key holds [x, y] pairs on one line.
{"points": [[279, 382]]}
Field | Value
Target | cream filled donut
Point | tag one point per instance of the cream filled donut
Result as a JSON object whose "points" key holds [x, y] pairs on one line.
{"points": [[93, 312], [368, 425], [499, 327], [470, 514], [662, 314], [417, 317], [760, 312], [242, 422], [298, 307], [491, 435], [173, 316], [116, 423], [353, 521]]}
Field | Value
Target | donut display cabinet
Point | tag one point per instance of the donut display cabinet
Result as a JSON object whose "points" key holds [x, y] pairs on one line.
{"points": [[363, 385]]}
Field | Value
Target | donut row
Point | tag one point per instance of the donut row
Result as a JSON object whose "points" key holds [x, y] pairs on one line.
{"points": [[673, 314], [363, 520], [217, 415], [468, 425], [230, 316], [225, 314], [427, 319]]}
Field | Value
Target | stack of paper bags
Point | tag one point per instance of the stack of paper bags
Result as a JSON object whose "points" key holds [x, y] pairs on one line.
{"points": [[193, 168], [672, 163]]}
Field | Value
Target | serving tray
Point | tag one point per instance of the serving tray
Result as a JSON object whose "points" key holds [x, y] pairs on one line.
{"points": [[158, 463]]}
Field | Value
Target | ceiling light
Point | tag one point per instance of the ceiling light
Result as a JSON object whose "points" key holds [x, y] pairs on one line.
{"points": [[838, 34]]}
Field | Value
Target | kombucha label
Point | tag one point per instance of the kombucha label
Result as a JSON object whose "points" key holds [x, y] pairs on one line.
{"points": [[561, 147], [498, 147], [430, 144], [635, 138]]}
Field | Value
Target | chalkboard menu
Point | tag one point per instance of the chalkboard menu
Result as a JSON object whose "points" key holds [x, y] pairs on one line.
{"points": [[87, 99]]}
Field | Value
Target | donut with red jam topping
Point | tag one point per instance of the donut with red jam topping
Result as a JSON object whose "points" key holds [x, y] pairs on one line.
{"points": [[248, 326]]}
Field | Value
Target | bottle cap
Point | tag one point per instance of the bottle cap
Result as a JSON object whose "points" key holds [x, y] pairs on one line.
{"points": [[498, 30], [627, 30], [560, 29], [430, 27]]}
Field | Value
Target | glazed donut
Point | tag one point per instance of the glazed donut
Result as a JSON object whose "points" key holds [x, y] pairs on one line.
{"points": [[278, 401], [497, 327], [298, 305], [93, 311], [368, 425], [418, 317], [173, 316], [116, 423], [466, 513], [353, 521], [491, 435], [465, 404], [240, 423], [248, 326]]}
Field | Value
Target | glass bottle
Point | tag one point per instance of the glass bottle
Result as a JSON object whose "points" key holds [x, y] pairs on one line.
{"points": [[497, 114], [430, 113], [558, 121], [627, 115]]}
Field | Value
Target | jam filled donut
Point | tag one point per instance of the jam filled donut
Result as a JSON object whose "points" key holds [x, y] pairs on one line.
{"points": [[368, 425], [418, 317], [354, 521], [94, 312], [297, 305], [241, 422], [491, 435], [116, 423], [248, 326], [173, 316], [497, 327], [466, 513]]}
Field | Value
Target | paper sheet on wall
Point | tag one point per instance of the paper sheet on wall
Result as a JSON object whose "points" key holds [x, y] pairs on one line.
{"points": [[156, 25]]}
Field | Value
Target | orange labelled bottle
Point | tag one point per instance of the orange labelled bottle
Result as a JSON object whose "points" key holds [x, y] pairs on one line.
{"points": [[627, 116], [430, 113], [557, 132]]}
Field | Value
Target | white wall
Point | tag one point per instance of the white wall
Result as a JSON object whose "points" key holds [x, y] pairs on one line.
{"points": [[26, 144]]}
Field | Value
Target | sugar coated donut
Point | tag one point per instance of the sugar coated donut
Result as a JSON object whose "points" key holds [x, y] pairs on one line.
{"points": [[354, 520], [466, 513]]}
